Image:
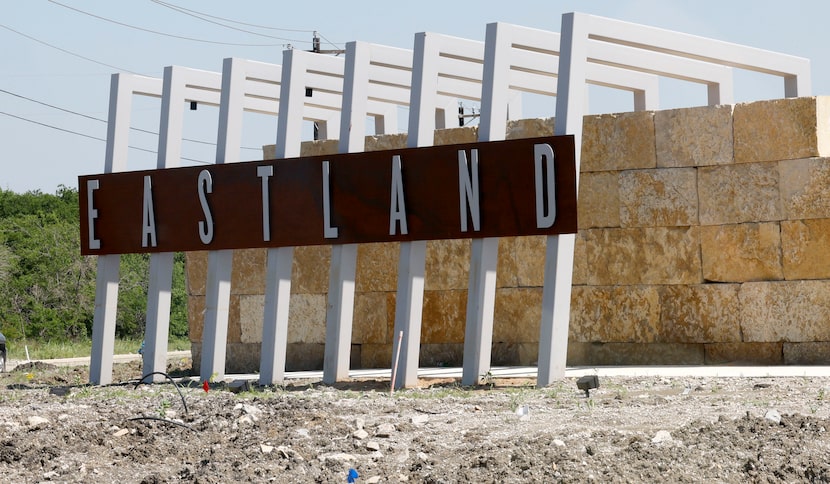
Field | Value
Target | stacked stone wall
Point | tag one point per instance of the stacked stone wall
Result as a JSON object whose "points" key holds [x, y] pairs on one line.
{"points": [[703, 239]]}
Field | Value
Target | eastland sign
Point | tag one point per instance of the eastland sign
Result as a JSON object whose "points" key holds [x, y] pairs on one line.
{"points": [[488, 189]]}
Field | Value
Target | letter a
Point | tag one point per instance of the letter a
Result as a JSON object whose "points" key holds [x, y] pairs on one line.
{"points": [[397, 206], [148, 224]]}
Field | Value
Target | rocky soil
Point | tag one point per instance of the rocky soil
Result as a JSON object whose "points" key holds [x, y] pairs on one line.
{"points": [[54, 428]]}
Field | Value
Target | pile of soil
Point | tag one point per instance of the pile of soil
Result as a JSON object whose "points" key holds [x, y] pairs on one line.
{"points": [[54, 427]]}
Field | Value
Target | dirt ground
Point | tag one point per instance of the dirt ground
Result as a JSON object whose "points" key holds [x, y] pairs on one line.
{"points": [[55, 428]]}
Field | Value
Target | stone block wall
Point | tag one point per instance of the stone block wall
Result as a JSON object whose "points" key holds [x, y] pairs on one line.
{"points": [[703, 240]]}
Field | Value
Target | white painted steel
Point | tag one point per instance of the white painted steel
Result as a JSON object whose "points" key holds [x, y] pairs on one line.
{"points": [[122, 89]]}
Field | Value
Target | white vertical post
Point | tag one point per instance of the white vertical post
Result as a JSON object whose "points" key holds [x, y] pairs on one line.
{"points": [[481, 292], [340, 311], [412, 262], [279, 260], [106, 285], [556, 294], [220, 262], [160, 287]]}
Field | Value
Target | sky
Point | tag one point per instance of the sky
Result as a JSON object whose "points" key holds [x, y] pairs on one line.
{"points": [[58, 56]]}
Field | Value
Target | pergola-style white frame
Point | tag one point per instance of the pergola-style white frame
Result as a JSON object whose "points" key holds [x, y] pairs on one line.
{"points": [[374, 81]]}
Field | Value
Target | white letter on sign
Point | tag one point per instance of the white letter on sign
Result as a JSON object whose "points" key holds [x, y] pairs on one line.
{"points": [[397, 207], [468, 190], [329, 232], [205, 227], [92, 214], [545, 186], [148, 223], [264, 172]]}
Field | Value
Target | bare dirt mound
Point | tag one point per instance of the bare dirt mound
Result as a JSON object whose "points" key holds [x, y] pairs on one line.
{"points": [[629, 430]]}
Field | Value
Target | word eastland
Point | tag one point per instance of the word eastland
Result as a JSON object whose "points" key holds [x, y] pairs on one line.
{"points": [[488, 189]]}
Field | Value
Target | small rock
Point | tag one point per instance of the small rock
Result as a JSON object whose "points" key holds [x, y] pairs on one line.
{"points": [[403, 478], [523, 412], [372, 445], [661, 436], [558, 443], [359, 423], [422, 456], [35, 421], [773, 416], [385, 430], [419, 419], [266, 449], [373, 480], [340, 456], [121, 433], [360, 434], [50, 475], [246, 420], [303, 433]]}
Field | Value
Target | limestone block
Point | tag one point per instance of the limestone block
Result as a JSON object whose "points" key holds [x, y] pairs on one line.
{"points": [[658, 198], [376, 355], [507, 269], [385, 142], [441, 354], [248, 276], [319, 147], [371, 318], [530, 260], [807, 353], [529, 128], [581, 274], [744, 353], [269, 152], [660, 255], [615, 354], [780, 129], [789, 311], [447, 264], [599, 200], [804, 246], [739, 193], [504, 354], [242, 358], [615, 314], [196, 272], [529, 354], [698, 136], [742, 252], [517, 315], [454, 136], [251, 315], [706, 313], [304, 356], [307, 318], [310, 269], [805, 188], [618, 142], [377, 267], [521, 261], [234, 324], [195, 317], [444, 316]]}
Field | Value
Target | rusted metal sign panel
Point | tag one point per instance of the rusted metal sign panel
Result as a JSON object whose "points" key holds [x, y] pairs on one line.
{"points": [[488, 189]]}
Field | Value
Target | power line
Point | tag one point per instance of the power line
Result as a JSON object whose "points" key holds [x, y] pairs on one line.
{"points": [[160, 33], [170, 5], [90, 136], [68, 52], [202, 17], [105, 121]]}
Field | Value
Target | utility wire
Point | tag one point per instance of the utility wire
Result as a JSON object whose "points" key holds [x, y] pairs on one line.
{"points": [[203, 18], [105, 121], [90, 136], [160, 33], [170, 5], [68, 52]]}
